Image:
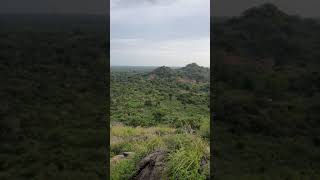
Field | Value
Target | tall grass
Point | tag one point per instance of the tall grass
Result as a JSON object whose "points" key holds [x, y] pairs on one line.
{"points": [[186, 151], [185, 163], [122, 170]]}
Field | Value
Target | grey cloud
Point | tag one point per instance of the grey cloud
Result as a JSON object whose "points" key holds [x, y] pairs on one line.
{"points": [[160, 32], [130, 3]]}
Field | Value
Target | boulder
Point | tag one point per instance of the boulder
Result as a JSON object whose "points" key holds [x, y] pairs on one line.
{"points": [[151, 167]]}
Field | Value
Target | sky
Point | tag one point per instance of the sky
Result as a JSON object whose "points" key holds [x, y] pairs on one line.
{"points": [[157, 32], [307, 8], [160, 32]]}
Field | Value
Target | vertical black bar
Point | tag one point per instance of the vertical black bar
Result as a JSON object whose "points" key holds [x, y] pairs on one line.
{"points": [[212, 85], [54, 74], [265, 90], [108, 90]]}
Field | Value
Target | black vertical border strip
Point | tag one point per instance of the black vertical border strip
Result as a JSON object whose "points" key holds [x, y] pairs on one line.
{"points": [[212, 163], [107, 85]]}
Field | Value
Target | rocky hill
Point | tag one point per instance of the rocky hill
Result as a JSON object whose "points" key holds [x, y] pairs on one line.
{"points": [[190, 73], [162, 72]]}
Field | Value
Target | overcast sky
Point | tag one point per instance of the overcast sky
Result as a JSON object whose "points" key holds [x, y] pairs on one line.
{"points": [[160, 32], [307, 8]]}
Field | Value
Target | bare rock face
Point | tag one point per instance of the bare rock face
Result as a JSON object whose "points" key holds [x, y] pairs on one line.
{"points": [[151, 167]]}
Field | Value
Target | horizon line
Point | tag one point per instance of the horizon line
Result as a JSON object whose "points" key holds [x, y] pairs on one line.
{"points": [[153, 66]]}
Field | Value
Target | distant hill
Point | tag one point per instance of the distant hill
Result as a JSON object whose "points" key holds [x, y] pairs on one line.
{"points": [[267, 32], [190, 73], [163, 72]]}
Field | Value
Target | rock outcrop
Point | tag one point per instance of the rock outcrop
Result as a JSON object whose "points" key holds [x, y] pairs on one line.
{"points": [[151, 167]]}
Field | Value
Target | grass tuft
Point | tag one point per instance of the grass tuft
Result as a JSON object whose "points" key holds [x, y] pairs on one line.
{"points": [[185, 163]]}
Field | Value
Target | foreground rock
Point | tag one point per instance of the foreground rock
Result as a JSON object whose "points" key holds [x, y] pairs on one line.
{"points": [[119, 157], [151, 167]]}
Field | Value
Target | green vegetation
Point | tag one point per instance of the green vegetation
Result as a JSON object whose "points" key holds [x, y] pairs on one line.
{"points": [[52, 124], [161, 109], [185, 163], [266, 103]]}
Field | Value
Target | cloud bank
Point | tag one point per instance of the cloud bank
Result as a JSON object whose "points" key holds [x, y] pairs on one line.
{"points": [[160, 32]]}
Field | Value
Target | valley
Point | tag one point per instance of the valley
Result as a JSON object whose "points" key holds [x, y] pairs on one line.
{"points": [[160, 110]]}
